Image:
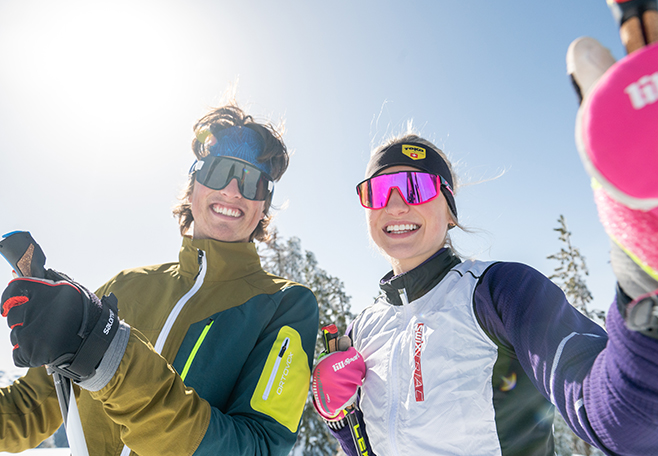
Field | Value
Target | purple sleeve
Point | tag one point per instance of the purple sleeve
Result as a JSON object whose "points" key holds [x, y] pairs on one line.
{"points": [[606, 390], [344, 437], [621, 392]]}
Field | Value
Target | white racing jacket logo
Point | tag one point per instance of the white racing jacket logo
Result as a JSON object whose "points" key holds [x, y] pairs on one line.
{"points": [[419, 333]]}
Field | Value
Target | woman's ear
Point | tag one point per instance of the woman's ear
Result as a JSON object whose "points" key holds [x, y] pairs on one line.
{"points": [[451, 218]]}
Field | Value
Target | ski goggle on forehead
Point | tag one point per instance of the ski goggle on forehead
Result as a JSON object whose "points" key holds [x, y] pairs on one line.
{"points": [[217, 172], [415, 187]]}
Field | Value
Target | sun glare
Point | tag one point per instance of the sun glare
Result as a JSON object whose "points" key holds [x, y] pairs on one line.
{"points": [[94, 63]]}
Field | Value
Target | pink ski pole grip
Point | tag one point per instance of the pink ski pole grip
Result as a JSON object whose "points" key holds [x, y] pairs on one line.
{"points": [[336, 380]]}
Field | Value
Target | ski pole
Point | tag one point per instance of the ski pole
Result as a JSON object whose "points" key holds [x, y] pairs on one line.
{"points": [[330, 339], [28, 260]]}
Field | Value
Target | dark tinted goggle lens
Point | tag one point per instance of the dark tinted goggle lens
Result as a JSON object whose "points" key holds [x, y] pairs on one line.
{"points": [[218, 172], [415, 187]]}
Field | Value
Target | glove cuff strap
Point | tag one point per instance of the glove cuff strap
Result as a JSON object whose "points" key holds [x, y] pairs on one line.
{"points": [[110, 363], [83, 364]]}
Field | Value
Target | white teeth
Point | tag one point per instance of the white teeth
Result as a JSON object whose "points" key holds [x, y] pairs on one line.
{"points": [[399, 229], [227, 211]]}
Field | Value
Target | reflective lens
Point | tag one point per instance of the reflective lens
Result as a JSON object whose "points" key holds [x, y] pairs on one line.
{"points": [[415, 187], [217, 172]]}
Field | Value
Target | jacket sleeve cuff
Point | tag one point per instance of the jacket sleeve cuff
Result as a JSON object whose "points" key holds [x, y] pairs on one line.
{"points": [[110, 361]]}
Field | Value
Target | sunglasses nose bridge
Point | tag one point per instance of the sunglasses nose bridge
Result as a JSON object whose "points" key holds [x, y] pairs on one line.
{"points": [[400, 197], [237, 174], [230, 189]]}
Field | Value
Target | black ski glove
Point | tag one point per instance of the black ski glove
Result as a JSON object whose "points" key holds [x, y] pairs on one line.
{"points": [[59, 323]]}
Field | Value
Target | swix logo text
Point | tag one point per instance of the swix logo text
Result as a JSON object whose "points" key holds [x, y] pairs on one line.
{"points": [[643, 92], [286, 371], [110, 322], [419, 336], [346, 362]]}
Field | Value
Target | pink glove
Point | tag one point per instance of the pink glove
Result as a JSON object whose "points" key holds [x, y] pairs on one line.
{"points": [[617, 142], [336, 380]]}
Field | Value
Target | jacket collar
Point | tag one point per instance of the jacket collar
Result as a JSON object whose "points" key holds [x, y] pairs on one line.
{"points": [[225, 260], [420, 280]]}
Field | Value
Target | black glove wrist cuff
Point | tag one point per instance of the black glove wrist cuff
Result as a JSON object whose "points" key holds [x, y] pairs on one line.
{"points": [[83, 364], [110, 362]]}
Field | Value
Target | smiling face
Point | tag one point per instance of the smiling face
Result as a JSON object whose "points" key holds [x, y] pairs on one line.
{"points": [[408, 235], [224, 215]]}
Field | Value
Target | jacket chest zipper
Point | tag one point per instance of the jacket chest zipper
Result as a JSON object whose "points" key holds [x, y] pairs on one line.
{"points": [[171, 319], [173, 315], [395, 356]]}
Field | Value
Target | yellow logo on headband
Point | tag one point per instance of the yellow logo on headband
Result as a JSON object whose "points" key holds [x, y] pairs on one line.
{"points": [[413, 152]]}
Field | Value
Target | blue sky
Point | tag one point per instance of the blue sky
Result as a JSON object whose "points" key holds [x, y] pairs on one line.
{"points": [[98, 102]]}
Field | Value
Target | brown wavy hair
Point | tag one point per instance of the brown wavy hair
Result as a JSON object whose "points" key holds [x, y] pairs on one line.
{"points": [[275, 151]]}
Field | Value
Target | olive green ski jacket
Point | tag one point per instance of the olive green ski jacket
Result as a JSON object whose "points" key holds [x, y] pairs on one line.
{"points": [[217, 362]]}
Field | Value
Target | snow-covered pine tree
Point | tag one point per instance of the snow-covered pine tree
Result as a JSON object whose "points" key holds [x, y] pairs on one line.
{"points": [[570, 277], [285, 258], [571, 272]]}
